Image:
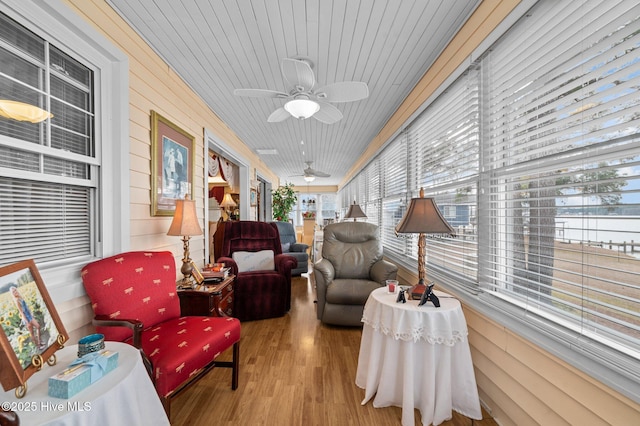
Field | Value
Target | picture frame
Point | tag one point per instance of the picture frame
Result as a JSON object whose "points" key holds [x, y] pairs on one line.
{"points": [[253, 197], [172, 165], [196, 274], [31, 330]]}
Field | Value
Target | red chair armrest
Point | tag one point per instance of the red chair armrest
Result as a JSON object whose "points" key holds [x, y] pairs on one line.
{"points": [[229, 263], [135, 325]]}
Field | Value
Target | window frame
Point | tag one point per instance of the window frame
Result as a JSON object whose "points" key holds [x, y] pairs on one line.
{"points": [[57, 23]]}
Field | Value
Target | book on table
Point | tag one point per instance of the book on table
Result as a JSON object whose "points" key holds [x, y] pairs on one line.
{"points": [[221, 274]]}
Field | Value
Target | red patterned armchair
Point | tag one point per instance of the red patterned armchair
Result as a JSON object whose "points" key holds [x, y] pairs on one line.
{"points": [[134, 299], [263, 274]]}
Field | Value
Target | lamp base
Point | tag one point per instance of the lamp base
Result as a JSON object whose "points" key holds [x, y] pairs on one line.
{"points": [[417, 290], [185, 283]]}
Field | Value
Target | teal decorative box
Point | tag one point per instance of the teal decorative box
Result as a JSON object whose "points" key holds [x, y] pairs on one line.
{"points": [[81, 373], [70, 381]]}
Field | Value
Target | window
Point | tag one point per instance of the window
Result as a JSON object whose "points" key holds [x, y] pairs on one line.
{"points": [[563, 164], [321, 206], [48, 170], [533, 157]]}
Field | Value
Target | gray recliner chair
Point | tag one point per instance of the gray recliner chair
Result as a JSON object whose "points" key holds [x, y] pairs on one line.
{"points": [[350, 269], [293, 248]]}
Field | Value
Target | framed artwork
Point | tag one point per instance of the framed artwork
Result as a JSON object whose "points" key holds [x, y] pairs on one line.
{"points": [[31, 330], [253, 197], [196, 274], [172, 165]]}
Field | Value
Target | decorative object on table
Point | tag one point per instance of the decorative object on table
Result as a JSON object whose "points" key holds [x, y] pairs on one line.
{"points": [[428, 294], [309, 215], [354, 212], [196, 274], [422, 217], [401, 298], [82, 372], [228, 204], [31, 330], [149, 319], [90, 343], [392, 285], [284, 198], [172, 165], [214, 275], [185, 223]]}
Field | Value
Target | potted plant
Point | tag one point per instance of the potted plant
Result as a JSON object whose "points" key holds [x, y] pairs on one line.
{"points": [[283, 199]]}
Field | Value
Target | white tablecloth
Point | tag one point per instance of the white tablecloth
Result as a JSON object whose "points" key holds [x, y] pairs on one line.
{"points": [[417, 357], [124, 396]]}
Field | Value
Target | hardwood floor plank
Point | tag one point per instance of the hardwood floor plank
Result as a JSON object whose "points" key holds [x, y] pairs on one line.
{"points": [[293, 371]]}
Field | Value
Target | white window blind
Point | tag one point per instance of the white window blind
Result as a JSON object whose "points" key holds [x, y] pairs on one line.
{"points": [[564, 166], [393, 165], [443, 144], [48, 170]]}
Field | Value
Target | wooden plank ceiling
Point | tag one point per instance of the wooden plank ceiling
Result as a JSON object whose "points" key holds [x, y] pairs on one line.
{"points": [[217, 46]]}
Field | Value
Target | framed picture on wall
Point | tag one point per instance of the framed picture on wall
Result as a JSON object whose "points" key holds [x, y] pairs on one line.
{"points": [[253, 197], [172, 165], [31, 331]]}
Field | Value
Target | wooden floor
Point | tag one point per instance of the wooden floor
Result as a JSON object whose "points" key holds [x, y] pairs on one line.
{"points": [[293, 371]]}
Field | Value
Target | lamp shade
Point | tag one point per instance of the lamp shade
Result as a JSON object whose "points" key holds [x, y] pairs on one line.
{"points": [[227, 201], [22, 111], [301, 108], [354, 212], [423, 217], [185, 220]]}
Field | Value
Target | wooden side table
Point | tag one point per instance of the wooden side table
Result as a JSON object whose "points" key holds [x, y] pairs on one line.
{"points": [[208, 300]]}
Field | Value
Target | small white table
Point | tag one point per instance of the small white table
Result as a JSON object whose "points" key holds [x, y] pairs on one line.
{"points": [[417, 357], [124, 396]]}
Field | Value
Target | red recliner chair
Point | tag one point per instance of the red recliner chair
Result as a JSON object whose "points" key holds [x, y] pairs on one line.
{"points": [[134, 299], [258, 293]]}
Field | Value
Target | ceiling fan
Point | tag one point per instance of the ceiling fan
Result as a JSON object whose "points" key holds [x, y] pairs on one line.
{"points": [[303, 99], [310, 174]]}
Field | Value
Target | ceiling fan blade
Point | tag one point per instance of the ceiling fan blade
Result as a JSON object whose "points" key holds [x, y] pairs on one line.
{"points": [[317, 173], [346, 91], [260, 93], [328, 114], [298, 73], [278, 115]]}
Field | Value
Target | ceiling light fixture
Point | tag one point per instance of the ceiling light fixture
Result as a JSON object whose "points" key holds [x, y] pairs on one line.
{"points": [[309, 178], [301, 108]]}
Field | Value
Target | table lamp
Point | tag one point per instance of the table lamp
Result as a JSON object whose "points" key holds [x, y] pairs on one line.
{"points": [[422, 217], [185, 223], [228, 204], [354, 212]]}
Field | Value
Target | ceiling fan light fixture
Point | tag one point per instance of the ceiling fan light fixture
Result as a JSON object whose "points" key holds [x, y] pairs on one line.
{"points": [[301, 108], [21, 111], [309, 178]]}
